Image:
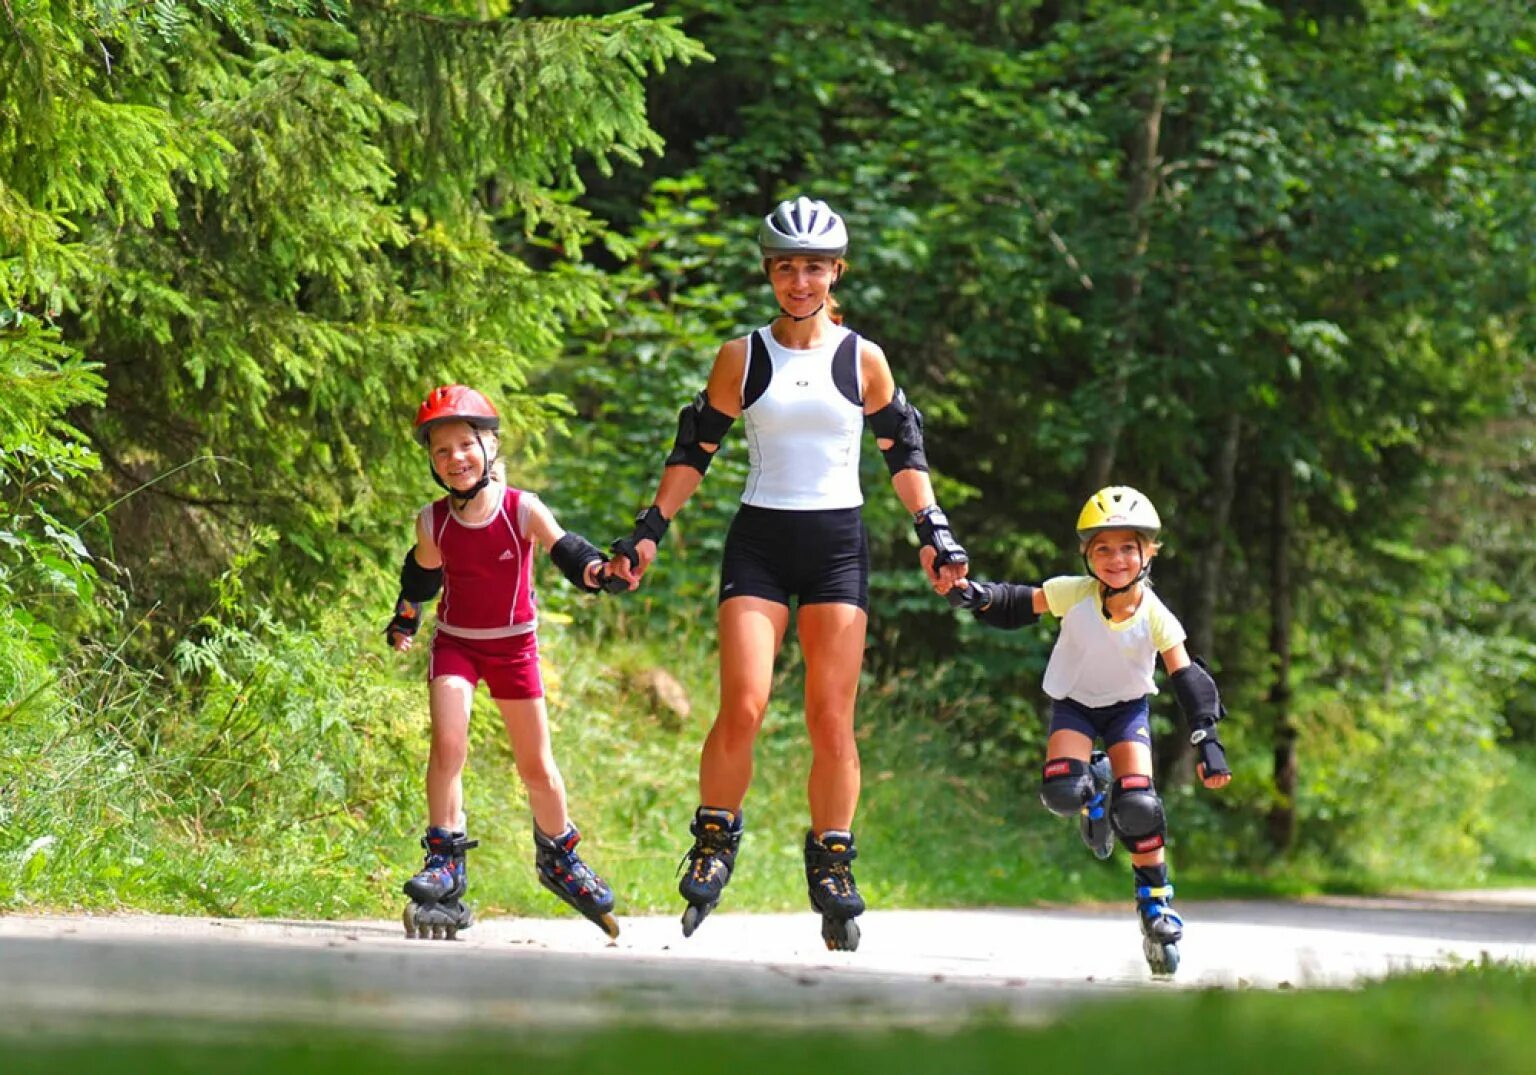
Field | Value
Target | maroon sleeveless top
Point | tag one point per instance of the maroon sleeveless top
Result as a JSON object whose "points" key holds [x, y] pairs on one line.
{"points": [[487, 572]]}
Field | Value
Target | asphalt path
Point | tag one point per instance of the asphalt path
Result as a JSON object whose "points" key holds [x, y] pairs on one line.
{"points": [[912, 967]]}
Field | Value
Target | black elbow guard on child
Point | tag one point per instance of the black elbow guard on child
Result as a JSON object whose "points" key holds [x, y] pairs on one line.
{"points": [[902, 424], [698, 423], [1012, 606], [1198, 697], [572, 554], [418, 584]]}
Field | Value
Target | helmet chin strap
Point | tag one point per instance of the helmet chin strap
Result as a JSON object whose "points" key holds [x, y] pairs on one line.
{"points": [[807, 317], [1106, 591]]}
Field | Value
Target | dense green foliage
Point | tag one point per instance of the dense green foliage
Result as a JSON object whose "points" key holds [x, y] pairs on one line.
{"points": [[1267, 262]]}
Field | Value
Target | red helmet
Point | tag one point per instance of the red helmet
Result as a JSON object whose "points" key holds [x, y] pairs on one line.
{"points": [[456, 403]]}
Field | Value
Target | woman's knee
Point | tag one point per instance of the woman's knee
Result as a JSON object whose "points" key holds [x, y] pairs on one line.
{"points": [[739, 721]]}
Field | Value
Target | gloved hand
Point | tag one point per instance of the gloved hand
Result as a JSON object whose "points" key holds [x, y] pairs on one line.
{"points": [[1212, 758], [969, 595], [406, 620]]}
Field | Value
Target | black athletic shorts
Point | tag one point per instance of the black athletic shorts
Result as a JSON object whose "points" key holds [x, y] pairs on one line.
{"points": [[816, 557]]}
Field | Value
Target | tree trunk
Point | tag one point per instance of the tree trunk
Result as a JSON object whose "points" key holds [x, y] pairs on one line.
{"points": [[1176, 759], [1143, 165], [1282, 816]]}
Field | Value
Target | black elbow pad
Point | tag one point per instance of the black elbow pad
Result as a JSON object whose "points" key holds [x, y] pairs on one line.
{"points": [[417, 584], [902, 424], [1198, 697], [1012, 606], [698, 423]]}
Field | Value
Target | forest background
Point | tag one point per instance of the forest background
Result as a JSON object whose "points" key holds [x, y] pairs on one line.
{"points": [[1267, 261]]}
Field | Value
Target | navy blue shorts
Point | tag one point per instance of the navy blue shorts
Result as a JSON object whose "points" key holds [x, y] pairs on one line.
{"points": [[816, 557], [1116, 723]]}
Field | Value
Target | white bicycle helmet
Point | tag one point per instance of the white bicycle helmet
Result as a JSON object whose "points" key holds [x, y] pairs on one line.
{"points": [[803, 226]]}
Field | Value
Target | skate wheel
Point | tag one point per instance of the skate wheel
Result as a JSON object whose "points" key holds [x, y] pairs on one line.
{"points": [[840, 935], [1163, 959], [609, 925], [409, 919], [693, 914]]}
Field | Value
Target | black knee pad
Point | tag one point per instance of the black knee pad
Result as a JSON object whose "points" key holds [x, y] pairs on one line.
{"points": [[1136, 814], [1065, 785]]}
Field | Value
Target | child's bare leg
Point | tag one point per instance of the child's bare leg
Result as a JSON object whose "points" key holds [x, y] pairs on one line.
{"points": [[527, 723], [450, 698]]}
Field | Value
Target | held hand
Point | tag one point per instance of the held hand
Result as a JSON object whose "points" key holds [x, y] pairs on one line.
{"points": [[599, 577], [971, 596], [631, 570], [945, 576], [951, 574], [611, 583]]}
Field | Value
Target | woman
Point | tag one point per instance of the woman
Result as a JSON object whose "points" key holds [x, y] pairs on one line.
{"points": [[805, 387]]}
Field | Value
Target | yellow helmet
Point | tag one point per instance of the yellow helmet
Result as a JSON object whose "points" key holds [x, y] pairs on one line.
{"points": [[1118, 507]]}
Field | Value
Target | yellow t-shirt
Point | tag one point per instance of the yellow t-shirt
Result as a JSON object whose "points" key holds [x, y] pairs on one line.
{"points": [[1096, 662]]}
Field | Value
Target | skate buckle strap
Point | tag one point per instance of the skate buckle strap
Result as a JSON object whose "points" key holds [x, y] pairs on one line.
{"points": [[1094, 807], [1159, 912], [1154, 892]]}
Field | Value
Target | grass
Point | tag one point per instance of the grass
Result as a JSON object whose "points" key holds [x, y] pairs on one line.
{"points": [[1474, 1021]]}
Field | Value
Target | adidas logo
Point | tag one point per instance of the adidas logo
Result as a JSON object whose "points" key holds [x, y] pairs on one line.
{"points": [[506, 554]]}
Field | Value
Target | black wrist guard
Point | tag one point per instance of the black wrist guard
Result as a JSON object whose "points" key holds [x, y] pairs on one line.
{"points": [[572, 554], [1211, 756], [933, 530], [416, 582], [650, 523], [406, 620], [1012, 606]]}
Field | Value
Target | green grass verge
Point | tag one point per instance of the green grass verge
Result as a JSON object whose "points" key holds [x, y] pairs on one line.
{"points": [[1473, 1021]]}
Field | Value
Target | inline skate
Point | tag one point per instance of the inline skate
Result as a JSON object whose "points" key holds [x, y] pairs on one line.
{"points": [[437, 910], [562, 871], [1094, 824], [1161, 926], [710, 862], [834, 895]]}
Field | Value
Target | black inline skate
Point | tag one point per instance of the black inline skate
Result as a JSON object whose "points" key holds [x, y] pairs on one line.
{"points": [[834, 895], [1095, 827], [710, 862], [1161, 926], [563, 873], [437, 910]]}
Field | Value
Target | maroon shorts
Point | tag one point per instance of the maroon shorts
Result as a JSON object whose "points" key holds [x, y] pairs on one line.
{"points": [[509, 666]]}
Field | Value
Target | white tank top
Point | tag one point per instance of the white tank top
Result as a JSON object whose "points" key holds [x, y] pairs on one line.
{"points": [[804, 420]]}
